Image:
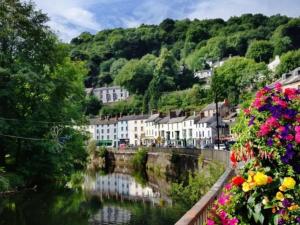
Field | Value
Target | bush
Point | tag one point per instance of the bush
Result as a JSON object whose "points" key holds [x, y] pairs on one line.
{"points": [[102, 152], [139, 160], [198, 184]]}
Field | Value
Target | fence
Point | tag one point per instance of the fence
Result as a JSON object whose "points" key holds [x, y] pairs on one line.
{"points": [[198, 214]]}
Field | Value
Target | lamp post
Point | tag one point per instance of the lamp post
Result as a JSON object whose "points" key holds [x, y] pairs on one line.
{"points": [[217, 117]]}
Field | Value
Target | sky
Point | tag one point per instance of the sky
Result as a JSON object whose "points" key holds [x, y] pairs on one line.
{"points": [[68, 18]]}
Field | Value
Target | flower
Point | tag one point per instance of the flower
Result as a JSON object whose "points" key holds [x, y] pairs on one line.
{"points": [[293, 207], [282, 188], [265, 201], [210, 222], [279, 196], [286, 203], [223, 199], [246, 187], [233, 159], [233, 221], [260, 179], [289, 182], [238, 180]]}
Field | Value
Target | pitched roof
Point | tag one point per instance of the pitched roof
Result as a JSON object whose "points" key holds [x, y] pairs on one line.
{"points": [[133, 117], [212, 106], [99, 121], [177, 119], [153, 118]]}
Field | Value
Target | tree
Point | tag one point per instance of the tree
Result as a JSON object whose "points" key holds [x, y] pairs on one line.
{"points": [[135, 76], [288, 62], [41, 98], [260, 51], [93, 106], [235, 76], [287, 37], [116, 66]]}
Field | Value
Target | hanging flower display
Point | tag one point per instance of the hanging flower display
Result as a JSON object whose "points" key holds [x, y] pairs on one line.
{"points": [[267, 188]]}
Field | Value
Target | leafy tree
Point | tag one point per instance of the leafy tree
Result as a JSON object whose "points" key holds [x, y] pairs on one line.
{"points": [[235, 76], [135, 76], [93, 106], [286, 37], [260, 51], [288, 62], [41, 95], [116, 66]]}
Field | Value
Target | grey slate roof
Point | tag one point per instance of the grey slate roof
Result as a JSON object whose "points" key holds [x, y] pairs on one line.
{"points": [[164, 120], [133, 117], [177, 119], [153, 118], [212, 106], [99, 121]]}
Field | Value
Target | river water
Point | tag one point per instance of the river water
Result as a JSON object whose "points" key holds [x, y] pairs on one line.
{"points": [[111, 199]]}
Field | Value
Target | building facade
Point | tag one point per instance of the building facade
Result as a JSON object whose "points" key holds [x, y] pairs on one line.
{"points": [[137, 129], [109, 94]]}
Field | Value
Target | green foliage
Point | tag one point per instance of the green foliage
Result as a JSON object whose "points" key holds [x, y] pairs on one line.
{"points": [[133, 105], [238, 75], [198, 184], [287, 37], [42, 89], [190, 99], [288, 62], [260, 51], [102, 152], [139, 160], [93, 106]]}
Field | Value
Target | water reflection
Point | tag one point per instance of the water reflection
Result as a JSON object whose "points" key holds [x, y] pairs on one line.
{"points": [[111, 215], [122, 186], [113, 199]]}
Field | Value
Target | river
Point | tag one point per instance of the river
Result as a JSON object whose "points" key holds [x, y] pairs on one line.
{"points": [[105, 199]]}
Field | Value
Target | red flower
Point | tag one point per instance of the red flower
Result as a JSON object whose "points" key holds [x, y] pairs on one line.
{"points": [[238, 180], [233, 159]]}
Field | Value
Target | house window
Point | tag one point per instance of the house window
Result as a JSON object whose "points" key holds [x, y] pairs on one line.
{"points": [[135, 129], [135, 136]]}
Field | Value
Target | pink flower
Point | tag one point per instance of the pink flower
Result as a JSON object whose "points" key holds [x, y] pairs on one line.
{"points": [[210, 222], [257, 103], [272, 122], [290, 137], [228, 186], [223, 199], [278, 86], [223, 214], [297, 129], [233, 221], [297, 138], [264, 130]]}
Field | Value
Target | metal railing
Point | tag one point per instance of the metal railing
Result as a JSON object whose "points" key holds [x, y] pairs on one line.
{"points": [[198, 214]]}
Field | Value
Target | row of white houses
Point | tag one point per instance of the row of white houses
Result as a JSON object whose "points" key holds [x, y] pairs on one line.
{"points": [[176, 129]]}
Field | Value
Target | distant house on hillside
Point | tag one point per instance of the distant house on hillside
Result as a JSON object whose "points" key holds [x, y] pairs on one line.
{"points": [[109, 94]]}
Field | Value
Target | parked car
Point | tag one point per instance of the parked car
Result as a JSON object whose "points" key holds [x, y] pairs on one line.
{"points": [[222, 147]]}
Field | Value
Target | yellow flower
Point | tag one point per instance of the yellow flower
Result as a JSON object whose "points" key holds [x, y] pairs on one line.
{"points": [[260, 179], [293, 207], [282, 188], [246, 187], [289, 182], [279, 196], [265, 201]]}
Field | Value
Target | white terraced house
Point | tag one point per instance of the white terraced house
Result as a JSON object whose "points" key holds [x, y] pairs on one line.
{"points": [[109, 94], [104, 131], [137, 129]]}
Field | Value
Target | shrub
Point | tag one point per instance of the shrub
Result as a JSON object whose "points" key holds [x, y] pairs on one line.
{"points": [[139, 160], [197, 185]]}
